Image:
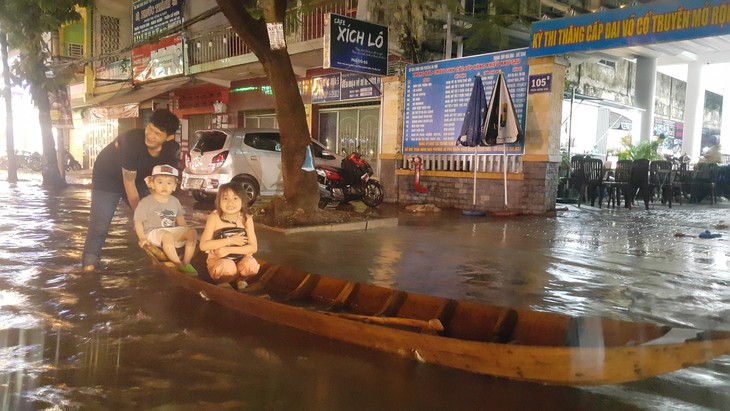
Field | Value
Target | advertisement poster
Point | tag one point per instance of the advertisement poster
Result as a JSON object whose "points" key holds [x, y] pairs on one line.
{"points": [[437, 94], [160, 60]]}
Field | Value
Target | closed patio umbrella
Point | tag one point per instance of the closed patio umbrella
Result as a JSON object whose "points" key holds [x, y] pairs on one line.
{"points": [[501, 125], [472, 131]]}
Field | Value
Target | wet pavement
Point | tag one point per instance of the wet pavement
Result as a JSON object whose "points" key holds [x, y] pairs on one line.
{"points": [[126, 338]]}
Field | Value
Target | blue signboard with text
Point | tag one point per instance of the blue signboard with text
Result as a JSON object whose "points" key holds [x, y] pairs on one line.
{"points": [[150, 17], [355, 45], [656, 22], [437, 94]]}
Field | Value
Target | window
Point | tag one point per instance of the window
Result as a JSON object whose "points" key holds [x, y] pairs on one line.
{"points": [[607, 63], [109, 39], [75, 50], [263, 141]]}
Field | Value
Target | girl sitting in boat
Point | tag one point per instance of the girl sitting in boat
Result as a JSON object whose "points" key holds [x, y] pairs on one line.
{"points": [[229, 238]]}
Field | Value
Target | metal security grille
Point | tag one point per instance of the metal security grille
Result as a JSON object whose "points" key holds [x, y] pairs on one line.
{"points": [[109, 39], [75, 50]]}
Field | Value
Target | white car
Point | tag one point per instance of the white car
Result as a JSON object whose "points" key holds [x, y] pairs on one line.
{"points": [[251, 157]]}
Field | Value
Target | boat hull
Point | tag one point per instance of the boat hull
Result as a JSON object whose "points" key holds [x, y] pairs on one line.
{"points": [[558, 365]]}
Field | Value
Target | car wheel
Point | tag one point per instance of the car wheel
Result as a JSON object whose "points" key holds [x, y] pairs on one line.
{"points": [[250, 188], [202, 197]]}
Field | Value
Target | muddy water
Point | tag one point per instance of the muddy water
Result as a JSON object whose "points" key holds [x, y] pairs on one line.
{"points": [[127, 338]]}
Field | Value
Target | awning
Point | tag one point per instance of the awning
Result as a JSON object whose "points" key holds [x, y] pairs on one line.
{"points": [[94, 101], [136, 96], [126, 105]]}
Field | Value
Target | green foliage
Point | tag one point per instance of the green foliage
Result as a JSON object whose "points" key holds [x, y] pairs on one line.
{"points": [[644, 150], [26, 22]]}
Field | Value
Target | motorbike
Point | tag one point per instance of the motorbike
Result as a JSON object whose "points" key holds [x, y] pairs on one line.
{"points": [[71, 164], [353, 181]]}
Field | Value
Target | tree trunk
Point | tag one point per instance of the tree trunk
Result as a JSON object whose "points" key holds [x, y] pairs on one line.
{"points": [[7, 94], [51, 176], [300, 187]]}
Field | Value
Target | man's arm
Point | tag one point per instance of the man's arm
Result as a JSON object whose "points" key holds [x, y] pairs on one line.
{"points": [[130, 187]]}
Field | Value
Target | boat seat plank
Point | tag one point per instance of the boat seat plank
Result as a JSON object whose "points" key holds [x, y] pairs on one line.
{"points": [[427, 307], [343, 296], [304, 288], [478, 322], [369, 299], [394, 302], [262, 280]]}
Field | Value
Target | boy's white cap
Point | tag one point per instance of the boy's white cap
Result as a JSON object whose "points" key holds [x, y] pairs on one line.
{"points": [[165, 170]]}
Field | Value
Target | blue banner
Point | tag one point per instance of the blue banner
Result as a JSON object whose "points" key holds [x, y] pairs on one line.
{"points": [[656, 22], [355, 45], [437, 95], [150, 17]]}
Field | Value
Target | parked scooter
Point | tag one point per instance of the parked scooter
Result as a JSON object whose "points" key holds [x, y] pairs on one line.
{"points": [[71, 163], [354, 181]]}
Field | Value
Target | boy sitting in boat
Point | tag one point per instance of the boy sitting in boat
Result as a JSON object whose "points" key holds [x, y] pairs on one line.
{"points": [[229, 238], [158, 219]]}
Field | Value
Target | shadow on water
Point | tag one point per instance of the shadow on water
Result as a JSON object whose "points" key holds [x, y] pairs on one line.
{"points": [[124, 337]]}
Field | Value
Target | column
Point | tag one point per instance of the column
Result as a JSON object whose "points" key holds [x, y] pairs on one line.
{"points": [[645, 94], [694, 106], [725, 124]]}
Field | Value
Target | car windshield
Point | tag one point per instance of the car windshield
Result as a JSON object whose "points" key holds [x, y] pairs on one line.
{"points": [[210, 141]]}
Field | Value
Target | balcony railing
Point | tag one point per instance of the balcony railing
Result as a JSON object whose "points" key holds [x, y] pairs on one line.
{"points": [[299, 27]]}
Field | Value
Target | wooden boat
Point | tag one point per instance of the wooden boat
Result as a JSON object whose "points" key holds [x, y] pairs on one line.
{"points": [[479, 338]]}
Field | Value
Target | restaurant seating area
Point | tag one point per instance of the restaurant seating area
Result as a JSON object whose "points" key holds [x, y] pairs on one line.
{"points": [[657, 182]]}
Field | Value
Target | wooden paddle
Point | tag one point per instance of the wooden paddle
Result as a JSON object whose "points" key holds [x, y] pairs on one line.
{"points": [[431, 326]]}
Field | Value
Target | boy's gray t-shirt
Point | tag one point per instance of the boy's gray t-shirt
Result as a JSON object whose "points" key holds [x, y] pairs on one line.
{"points": [[153, 214]]}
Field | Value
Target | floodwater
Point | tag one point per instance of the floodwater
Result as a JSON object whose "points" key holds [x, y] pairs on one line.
{"points": [[125, 337]]}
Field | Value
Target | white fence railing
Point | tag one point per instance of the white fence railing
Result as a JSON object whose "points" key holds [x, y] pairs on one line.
{"points": [[465, 162]]}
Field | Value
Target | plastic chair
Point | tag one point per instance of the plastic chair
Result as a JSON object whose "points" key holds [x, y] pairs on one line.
{"points": [[593, 180], [577, 177], [639, 181], [661, 178], [704, 180], [620, 184]]}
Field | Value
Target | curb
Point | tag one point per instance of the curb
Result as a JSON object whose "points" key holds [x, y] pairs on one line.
{"points": [[354, 226]]}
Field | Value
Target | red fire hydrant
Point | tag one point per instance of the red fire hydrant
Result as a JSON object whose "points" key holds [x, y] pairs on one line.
{"points": [[417, 182]]}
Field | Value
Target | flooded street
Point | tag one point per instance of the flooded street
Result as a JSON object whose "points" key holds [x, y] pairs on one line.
{"points": [[126, 337]]}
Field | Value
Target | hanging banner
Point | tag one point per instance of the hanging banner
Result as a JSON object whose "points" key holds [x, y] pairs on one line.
{"points": [[160, 60], [656, 22], [112, 112]]}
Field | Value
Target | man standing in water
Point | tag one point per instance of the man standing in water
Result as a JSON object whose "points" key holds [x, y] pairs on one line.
{"points": [[119, 173]]}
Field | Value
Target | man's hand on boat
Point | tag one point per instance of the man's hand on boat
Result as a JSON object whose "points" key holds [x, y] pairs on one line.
{"points": [[142, 243]]}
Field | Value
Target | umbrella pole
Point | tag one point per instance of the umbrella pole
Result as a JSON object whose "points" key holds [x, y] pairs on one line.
{"points": [[504, 167], [474, 212], [474, 188]]}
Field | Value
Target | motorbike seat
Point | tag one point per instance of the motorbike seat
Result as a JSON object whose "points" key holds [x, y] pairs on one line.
{"points": [[330, 168]]}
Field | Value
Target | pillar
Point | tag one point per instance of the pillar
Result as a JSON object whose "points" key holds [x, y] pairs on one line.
{"points": [[542, 157], [694, 106], [725, 124], [645, 94]]}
